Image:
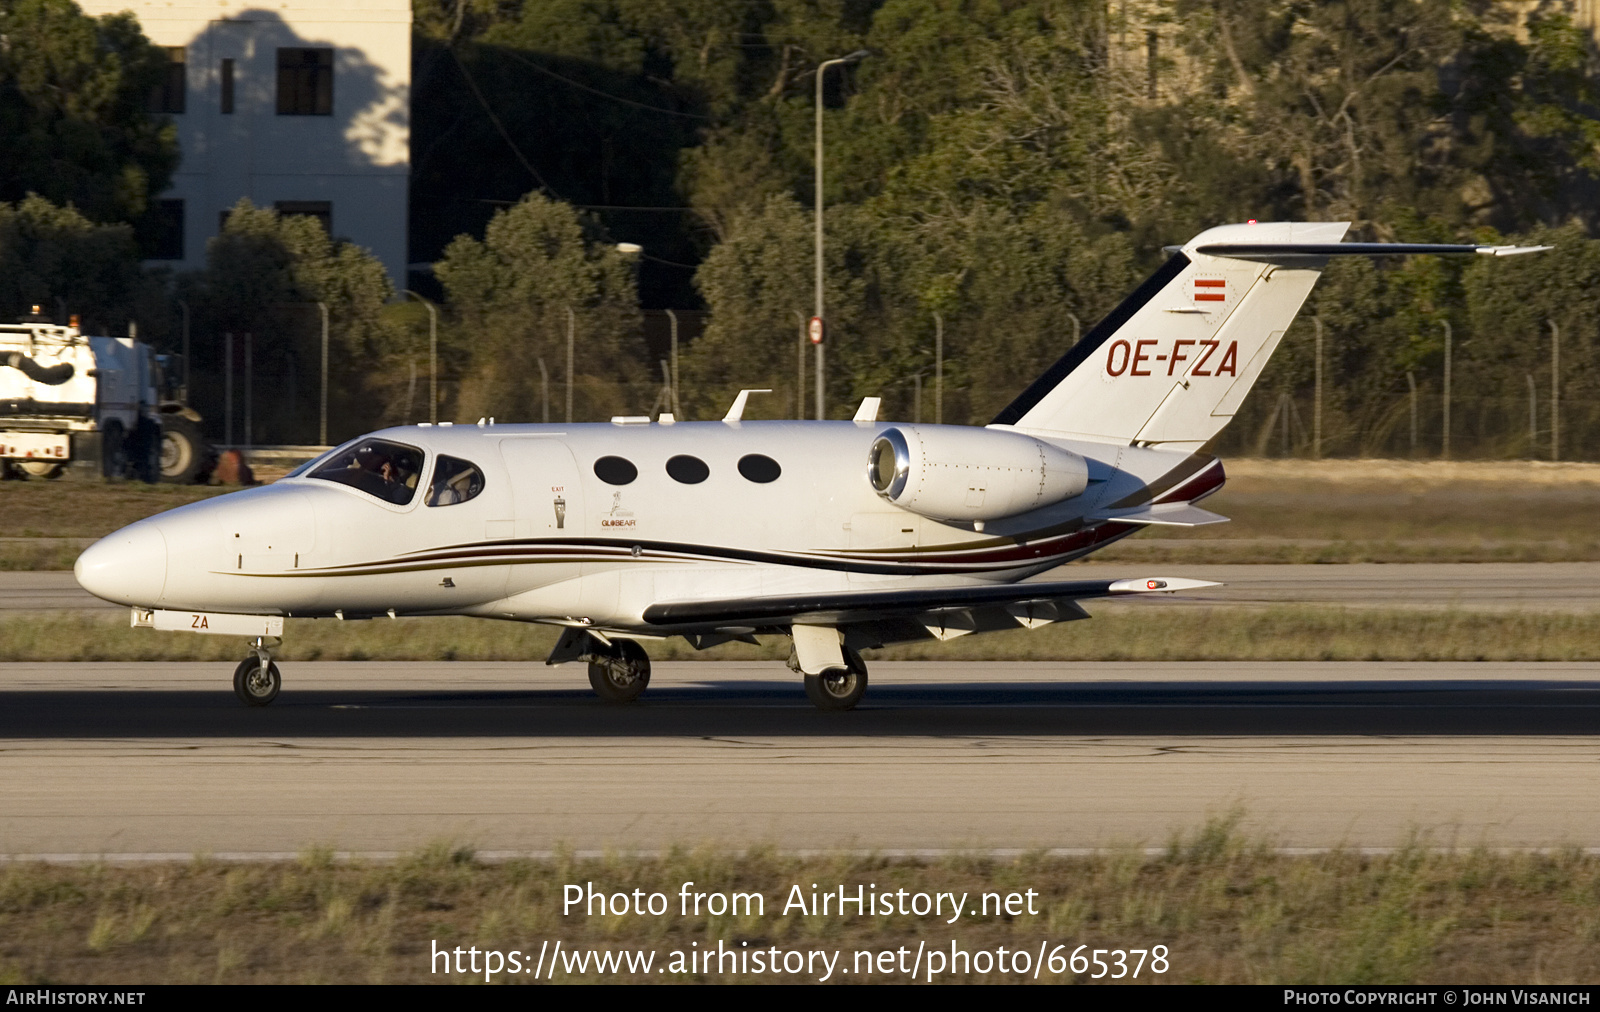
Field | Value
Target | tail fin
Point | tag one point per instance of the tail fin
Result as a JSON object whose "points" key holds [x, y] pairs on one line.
{"points": [[1171, 364]]}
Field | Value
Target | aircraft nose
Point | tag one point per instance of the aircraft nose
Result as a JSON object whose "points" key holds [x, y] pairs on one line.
{"points": [[128, 567]]}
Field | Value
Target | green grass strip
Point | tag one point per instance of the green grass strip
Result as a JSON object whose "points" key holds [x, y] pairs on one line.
{"points": [[1287, 633]]}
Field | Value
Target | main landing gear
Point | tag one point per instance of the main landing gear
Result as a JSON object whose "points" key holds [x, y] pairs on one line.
{"points": [[619, 671], [839, 688], [836, 677], [256, 680]]}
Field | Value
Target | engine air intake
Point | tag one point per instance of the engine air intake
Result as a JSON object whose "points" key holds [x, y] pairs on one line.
{"points": [[952, 473]]}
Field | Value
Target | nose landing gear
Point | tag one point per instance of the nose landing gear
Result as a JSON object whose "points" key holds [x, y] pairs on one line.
{"points": [[256, 681]]}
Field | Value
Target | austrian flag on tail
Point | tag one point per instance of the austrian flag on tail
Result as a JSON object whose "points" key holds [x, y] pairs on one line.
{"points": [[1210, 290]]}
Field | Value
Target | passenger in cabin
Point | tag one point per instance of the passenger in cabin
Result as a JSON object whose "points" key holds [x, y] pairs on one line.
{"points": [[454, 481]]}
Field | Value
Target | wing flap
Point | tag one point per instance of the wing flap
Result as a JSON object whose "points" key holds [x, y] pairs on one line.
{"points": [[840, 607]]}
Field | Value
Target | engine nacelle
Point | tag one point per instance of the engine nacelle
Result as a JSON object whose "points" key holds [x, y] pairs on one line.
{"points": [[946, 472]]}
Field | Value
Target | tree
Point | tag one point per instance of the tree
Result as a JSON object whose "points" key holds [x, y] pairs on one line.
{"points": [[73, 119], [264, 274], [511, 293], [57, 259]]}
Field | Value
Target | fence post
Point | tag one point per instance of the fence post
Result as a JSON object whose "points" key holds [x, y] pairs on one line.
{"points": [[572, 325], [1316, 406], [677, 409], [1555, 391], [1447, 342], [227, 389], [1533, 416], [800, 368], [1411, 381], [938, 369]]}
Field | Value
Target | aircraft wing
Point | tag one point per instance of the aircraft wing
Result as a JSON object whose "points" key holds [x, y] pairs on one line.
{"points": [[868, 605]]}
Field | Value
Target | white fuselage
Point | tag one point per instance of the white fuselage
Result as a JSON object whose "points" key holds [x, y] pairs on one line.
{"points": [[548, 539]]}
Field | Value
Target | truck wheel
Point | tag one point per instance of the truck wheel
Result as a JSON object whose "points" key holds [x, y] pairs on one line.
{"points": [[40, 468], [183, 451]]}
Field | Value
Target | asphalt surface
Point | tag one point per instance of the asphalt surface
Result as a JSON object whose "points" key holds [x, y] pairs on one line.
{"points": [[1554, 586], [158, 759]]}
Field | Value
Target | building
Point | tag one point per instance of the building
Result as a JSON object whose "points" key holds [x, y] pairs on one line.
{"points": [[299, 105]]}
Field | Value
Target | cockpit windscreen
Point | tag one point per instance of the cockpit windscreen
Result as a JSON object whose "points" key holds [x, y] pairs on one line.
{"points": [[377, 467]]}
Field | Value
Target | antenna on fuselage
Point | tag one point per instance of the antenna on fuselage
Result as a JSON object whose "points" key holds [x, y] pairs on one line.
{"points": [[736, 413]]}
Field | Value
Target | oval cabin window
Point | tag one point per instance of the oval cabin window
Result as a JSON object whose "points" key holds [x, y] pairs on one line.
{"points": [[687, 469], [615, 470], [759, 468]]}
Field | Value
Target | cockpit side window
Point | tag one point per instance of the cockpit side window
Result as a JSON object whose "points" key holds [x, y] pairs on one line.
{"points": [[454, 480], [377, 467]]}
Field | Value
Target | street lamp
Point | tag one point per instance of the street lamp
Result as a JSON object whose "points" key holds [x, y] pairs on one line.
{"points": [[818, 329], [433, 356]]}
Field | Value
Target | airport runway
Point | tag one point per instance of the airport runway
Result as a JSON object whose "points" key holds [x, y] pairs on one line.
{"points": [[1545, 586], [147, 758]]}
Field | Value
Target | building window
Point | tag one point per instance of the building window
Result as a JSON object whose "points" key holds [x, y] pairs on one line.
{"points": [[167, 97], [305, 82], [321, 210], [161, 231], [227, 87]]}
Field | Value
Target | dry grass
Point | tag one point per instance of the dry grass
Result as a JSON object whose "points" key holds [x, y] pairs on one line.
{"points": [[74, 506], [1286, 633], [1229, 909], [1388, 511]]}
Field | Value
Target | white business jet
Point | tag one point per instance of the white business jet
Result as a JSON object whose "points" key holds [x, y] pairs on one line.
{"points": [[843, 536]]}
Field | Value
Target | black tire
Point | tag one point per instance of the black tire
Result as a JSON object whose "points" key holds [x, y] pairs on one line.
{"points": [[251, 687], [620, 674], [184, 451], [836, 688], [113, 452]]}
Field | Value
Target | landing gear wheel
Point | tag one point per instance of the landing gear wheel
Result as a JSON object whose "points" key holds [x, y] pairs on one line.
{"points": [[837, 688], [253, 686], [621, 673], [40, 468]]}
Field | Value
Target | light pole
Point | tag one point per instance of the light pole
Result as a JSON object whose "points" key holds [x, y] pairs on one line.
{"points": [[433, 356], [819, 335]]}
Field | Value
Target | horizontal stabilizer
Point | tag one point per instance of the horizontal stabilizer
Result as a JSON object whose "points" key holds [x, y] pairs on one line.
{"points": [[1175, 514], [843, 607], [1276, 250]]}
